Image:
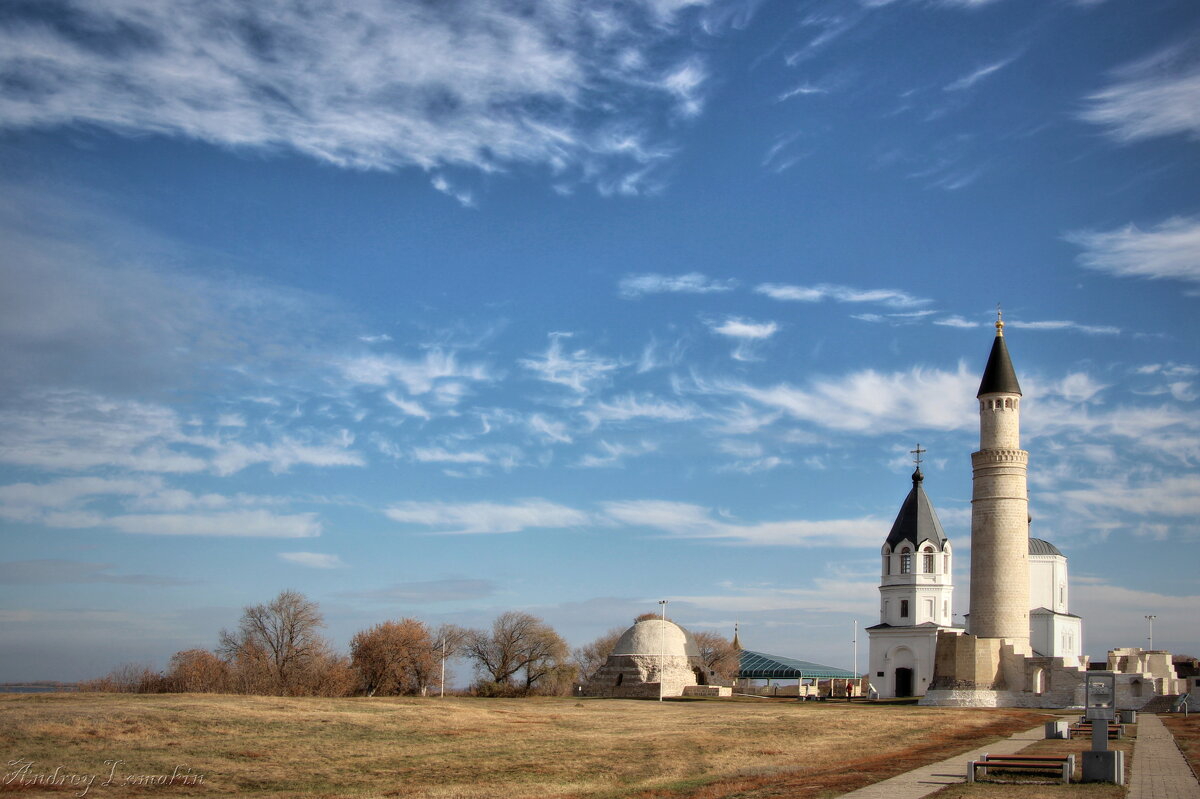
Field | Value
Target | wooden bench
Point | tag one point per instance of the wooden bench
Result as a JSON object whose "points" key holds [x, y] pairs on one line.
{"points": [[1058, 764], [1116, 731]]}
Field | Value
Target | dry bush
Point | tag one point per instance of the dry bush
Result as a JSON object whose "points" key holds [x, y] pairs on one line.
{"points": [[395, 658], [198, 671], [718, 654], [128, 678]]}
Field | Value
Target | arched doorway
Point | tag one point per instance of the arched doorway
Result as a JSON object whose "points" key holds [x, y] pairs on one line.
{"points": [[904, 682], [904, 670]]}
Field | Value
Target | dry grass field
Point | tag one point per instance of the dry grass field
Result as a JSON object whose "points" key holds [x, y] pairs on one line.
{"points": [[469, 748]]}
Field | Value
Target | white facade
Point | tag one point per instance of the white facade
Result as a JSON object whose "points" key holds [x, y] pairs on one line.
{"points": [[1053, 630], [916, 592]]}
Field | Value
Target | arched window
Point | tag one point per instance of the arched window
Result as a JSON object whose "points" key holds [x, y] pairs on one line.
{"points": [[1039, 681], [905, 561], [927, 565]]}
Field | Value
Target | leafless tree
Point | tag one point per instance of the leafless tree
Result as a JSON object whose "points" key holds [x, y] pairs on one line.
{"points": [[283, 636], [718, 654], [517, 643], [590, 657]]}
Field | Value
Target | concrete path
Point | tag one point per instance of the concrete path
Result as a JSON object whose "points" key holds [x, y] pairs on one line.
{"points": [[1159, 768], [924, 781]]}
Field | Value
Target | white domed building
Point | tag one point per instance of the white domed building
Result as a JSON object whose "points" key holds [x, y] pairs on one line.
{"points": [[651, 652]]}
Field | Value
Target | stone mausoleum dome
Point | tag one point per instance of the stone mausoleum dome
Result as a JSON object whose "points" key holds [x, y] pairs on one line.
{"points": [[651, 636], [652, 658]]}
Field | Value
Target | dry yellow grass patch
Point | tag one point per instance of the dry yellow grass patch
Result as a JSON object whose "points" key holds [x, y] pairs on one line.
{"points": [[468, 748]]}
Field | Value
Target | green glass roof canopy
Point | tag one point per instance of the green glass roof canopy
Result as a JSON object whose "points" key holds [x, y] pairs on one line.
{"points": [[761, 666]]}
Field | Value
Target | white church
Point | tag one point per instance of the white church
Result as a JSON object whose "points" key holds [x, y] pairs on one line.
{"points": [[916, 583]]}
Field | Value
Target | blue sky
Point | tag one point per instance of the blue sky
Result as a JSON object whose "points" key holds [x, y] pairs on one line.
{"points": [[441, 310]]}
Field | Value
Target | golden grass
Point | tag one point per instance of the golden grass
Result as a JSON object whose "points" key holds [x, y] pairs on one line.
{"points": [[1186, 730], [464, 748]]}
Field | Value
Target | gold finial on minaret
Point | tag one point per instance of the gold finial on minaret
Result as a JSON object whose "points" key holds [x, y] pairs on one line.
{"points": [[999, 321]]}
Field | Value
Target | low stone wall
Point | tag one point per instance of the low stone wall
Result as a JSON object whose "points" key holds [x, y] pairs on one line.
{"points": [[707, 690]]}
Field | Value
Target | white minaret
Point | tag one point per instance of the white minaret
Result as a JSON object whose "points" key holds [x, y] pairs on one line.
{"points": [[1000, 507], [915, 593]]}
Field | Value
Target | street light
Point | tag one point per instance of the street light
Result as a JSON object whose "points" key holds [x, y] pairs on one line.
{"points": [[662, 646], [1151, 619]]}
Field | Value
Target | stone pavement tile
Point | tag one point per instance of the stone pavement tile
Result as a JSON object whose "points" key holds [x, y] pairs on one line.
{"points": [[952, 771], [1159, 768]]}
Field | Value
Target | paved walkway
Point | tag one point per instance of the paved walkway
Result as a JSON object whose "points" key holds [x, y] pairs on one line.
{"points": [[953, 771], [1159, 768]]}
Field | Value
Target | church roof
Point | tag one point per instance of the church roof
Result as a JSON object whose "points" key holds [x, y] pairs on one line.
{"points": [[917, 520], [1039, 547], [761, 666], [999, 377]]}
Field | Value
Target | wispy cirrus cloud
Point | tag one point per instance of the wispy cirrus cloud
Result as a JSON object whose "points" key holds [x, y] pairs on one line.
{"points": [[475, 84], [578, 369], [1156, 96], [312, 560], [1063, 324], [232, 524], [976, 75], [55, 570], [686, 520], [628, 407], [1170, 250], [632, 286], [869, 400], [893, 298], [746, 332], [486, 517], [611, 455]]}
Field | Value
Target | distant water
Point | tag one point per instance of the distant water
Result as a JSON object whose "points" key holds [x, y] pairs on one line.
{"points": [[37, 688]]}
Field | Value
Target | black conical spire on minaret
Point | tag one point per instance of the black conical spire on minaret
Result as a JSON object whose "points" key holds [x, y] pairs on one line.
{"points": [[999, 377]]}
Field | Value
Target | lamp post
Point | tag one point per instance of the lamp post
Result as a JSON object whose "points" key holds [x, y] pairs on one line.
{"points": [[855, 656], [1151, 619], [662, 646], [443, 692]]}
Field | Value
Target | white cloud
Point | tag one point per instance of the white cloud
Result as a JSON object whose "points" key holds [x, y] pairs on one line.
{"points": [[550, 430], [1168, 496], [685, 520], [417, 376], [630, 406], [737, 327], [970, 79], [313, 560], [282, 455], [956, 321], [747, 333], [482, 84], [691, 283], [1171, 250], [236, 524], [614, 454], [440, 455], [875, 402], [1157, 96], [409, 407], [578, 370], [486, 517], [1058, 324], [892, 298]]}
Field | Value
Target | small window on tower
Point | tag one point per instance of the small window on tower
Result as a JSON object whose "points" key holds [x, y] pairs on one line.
{"points": [[904, 608], [905, 562], [927, 566]]}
